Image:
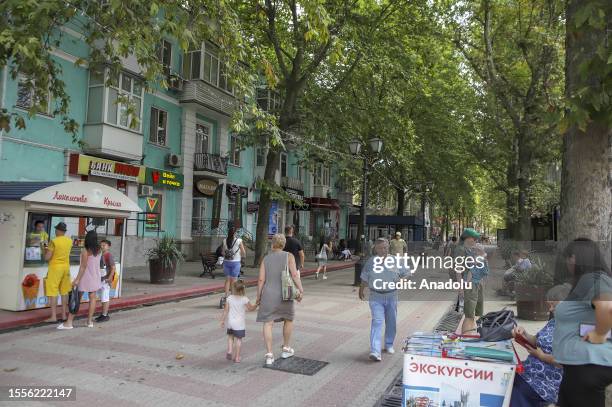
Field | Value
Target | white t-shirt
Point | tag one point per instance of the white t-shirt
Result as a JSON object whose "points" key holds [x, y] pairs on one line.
{"points": [[234, 249], [237, 312]]}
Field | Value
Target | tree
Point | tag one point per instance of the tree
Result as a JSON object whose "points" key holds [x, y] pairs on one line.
{"points": [[515, 51], [586, 190]]}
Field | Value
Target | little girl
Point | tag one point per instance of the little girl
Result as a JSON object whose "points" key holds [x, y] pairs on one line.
{"points": [[234, 313]]}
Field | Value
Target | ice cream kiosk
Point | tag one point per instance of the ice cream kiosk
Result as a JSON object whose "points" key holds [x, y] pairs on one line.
{"points": [[28, 215]]}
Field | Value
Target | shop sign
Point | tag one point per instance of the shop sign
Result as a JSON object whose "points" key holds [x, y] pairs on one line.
{"points": [[164, 178], [304, 206], [294, 194], [232, 190], [153, 213], [252, 207], [206, 186], [85, 165]]}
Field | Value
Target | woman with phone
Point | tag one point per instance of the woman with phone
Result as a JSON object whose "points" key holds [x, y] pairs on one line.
{"points": [[586, 357], [538, 385]]}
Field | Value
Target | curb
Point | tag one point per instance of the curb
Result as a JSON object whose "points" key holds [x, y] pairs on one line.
{"points": [[153, 299]]}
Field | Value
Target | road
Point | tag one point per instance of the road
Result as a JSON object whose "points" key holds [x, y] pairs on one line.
{"points": [[135, 358]]}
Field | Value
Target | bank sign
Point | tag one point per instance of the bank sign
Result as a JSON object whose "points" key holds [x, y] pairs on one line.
{"points": [[163, 178], [98, 167]]}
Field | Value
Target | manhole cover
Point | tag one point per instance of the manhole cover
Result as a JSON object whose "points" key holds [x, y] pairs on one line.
{"points": [[297, 365]]}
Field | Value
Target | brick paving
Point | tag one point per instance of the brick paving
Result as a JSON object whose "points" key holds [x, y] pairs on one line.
{"points": [[132, 359]]}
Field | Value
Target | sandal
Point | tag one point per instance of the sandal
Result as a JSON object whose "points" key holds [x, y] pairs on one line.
{"points": [[228, 356], [269, 359], [237, 360]]}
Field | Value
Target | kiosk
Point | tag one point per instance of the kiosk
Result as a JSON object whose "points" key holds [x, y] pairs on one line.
{"points": [[28, 215]]}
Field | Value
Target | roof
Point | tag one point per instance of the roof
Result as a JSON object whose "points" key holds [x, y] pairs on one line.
{"points": [[17, 190]]}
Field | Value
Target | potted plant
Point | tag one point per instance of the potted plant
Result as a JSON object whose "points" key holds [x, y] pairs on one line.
{"points": [[163, 259], [531, 286]]}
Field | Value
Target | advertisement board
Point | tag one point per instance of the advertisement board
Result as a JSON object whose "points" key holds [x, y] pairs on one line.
{"points": [[86, 165], [430, 381], [273, 220]]}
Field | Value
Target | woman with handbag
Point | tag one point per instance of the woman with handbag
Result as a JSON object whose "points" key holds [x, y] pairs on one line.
{"points": [[89, 279], [275, 269], [321, 258], [233, 252]]}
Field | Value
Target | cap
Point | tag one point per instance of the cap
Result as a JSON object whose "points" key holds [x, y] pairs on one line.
{"points": [[398, 233], [469, 232], [61, 226]]}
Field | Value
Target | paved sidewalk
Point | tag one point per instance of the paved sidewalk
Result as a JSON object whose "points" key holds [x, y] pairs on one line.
{"points": [[137, 290], [173, 354]]}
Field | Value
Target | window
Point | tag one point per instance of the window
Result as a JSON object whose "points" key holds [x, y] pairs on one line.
{"points": [[124, 102], [158, 127], [283, 165], [268, 100], [260, 156], [231, 210], [321, 175], [165, 55], [205, 64], [300, 170], [26, 97], [199, 209], [234, 150], [202, 138]]}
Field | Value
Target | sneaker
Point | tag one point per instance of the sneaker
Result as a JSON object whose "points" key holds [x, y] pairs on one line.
{"points": [[269, 359], [390, 350], [62, 327], [90, 325], [102, 318], [287, 352], [324, 276], [375, 357]]}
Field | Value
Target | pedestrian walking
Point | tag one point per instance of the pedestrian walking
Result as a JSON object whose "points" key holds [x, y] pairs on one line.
{"points": [[321, 258], [295, 247], [583, 322], [383, 302], [107, 268], [272, 308], [57, 282], [397, 245], [234, 319], [89, 279], [233, 252]]}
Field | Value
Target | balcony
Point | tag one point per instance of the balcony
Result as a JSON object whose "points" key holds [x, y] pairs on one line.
{"points": [[292, 183], [210, 164], [320, 191], [112, 141], [206, 83]]}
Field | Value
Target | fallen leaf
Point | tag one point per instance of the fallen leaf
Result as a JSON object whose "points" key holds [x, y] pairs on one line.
{"points": [[179, 356], [12, 369]]}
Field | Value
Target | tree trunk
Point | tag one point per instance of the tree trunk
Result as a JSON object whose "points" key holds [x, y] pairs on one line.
{"points": [[401, 204], [586, 180], [265, 203]]}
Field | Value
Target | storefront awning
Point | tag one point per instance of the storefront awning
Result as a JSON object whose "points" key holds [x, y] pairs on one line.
{"points": [[323, 203], [82, 197]]}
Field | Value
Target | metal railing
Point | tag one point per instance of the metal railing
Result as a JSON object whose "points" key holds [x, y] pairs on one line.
{"points": [[210, 162], [293, 183]]}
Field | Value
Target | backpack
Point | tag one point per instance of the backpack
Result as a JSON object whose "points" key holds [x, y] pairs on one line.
{"points": [[228, 254]]}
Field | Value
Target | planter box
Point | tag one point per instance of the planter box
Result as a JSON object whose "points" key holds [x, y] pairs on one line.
{"points": [[160, 274]]}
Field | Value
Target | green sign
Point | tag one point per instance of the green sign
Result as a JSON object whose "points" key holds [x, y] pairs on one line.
{"points": [[164, 178]]}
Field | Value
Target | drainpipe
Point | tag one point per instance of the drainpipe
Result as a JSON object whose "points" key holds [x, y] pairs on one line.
{"points": [[2, 103]]}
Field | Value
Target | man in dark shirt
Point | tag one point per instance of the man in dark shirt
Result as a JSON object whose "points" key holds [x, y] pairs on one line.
{"points": [[294, 246]]}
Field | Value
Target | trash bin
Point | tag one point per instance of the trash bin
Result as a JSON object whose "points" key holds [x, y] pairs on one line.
{"points": [[358, 267]]}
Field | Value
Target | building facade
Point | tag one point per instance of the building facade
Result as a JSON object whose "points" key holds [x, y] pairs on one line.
{"points": [[173, 152]]}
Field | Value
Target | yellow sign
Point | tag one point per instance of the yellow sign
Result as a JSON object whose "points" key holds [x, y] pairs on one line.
{"points": [[85, 165]]}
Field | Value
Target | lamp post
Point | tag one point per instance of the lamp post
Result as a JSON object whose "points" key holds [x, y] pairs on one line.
{"points": [[355, 148]]}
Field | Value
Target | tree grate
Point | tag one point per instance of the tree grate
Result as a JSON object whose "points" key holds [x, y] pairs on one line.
{"points": [[308, 367]]}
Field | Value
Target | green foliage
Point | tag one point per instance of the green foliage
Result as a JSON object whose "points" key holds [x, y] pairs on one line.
{"points": [[166, 250]]}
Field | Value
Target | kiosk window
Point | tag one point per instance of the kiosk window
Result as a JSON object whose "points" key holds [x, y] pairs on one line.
{"points": [[37, 237]]}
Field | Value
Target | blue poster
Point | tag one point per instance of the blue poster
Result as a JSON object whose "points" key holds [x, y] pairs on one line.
{"points": [[273, 220]]}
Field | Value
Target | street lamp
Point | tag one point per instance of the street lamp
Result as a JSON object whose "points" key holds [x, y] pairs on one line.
{"points": [[375, 147]]}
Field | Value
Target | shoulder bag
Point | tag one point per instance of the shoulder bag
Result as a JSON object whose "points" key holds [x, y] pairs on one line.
{"points": [[496, 326], [289, 291]]}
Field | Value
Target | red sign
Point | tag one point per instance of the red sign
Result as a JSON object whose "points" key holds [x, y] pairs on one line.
{"points": [[441, 370]]}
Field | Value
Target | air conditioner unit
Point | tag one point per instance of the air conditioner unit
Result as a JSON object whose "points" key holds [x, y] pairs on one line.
{"points": [[174, 160], [145, 190]]}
